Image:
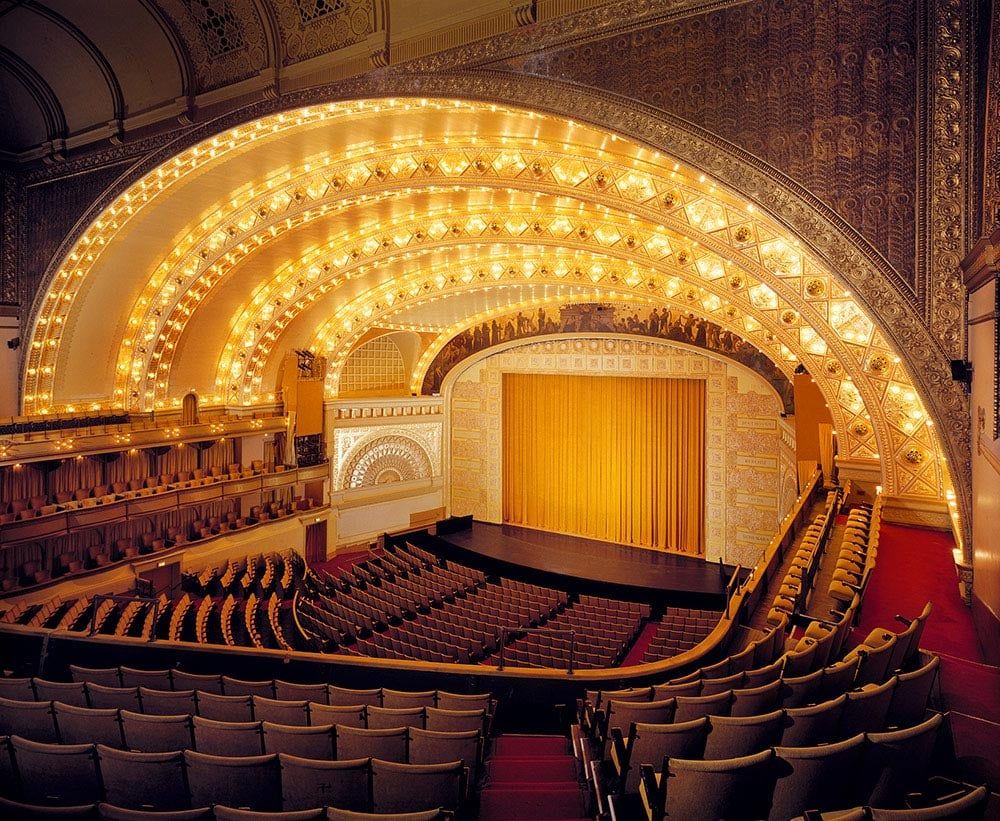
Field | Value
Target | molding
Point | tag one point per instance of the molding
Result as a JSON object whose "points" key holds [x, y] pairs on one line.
{"points": [[916, 512], [364, 496], [982, 264]]}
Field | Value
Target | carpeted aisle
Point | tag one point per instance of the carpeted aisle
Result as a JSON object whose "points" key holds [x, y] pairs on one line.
{"points": [[531, 777], [915, 565], [634, 655]]}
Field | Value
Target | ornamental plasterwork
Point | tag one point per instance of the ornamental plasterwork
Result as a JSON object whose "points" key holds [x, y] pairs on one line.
{"points": [[384, 460], [732, 508], [350, 441], [872, 281], [948, 205]]}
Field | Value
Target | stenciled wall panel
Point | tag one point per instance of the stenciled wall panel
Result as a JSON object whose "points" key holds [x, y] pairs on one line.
{"points": [[746, 474]]}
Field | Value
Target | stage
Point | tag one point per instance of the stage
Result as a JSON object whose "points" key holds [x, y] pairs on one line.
{"points": [[582, 564]]}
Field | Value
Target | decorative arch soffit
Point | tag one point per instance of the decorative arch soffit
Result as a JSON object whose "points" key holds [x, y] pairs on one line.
{"points": [[653, 167], [380, 455]]}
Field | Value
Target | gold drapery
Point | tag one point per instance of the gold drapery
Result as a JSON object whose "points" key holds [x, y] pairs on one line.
{"points": [[620, 459]]}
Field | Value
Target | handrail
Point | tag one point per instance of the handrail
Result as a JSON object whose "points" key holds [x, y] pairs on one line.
{"points": [[744, 596]]}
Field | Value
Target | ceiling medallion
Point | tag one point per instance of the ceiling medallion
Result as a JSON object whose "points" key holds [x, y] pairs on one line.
{"points": [[878, 364], [860, 428], [815, 287], [789, 317], [736, 282], [914, 456], [832, 367], [742, 233]]}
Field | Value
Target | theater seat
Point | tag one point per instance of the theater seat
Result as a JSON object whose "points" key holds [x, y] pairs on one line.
{"points": [[388, 745], [143, 781], [413, 787], [65, 774], [316, 742], [18, 811], [306, 783], [252, 782]]}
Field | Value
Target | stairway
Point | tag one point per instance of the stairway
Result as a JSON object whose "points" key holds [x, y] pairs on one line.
{"points": [[531, 777]]}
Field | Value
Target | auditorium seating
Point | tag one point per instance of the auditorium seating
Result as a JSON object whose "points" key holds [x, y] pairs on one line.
{"points": [[398, 759], [680, 629]]}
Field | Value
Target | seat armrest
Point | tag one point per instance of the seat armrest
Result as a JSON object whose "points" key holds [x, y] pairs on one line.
{"points": [[654, 799], [601, 809], [619, 752]]}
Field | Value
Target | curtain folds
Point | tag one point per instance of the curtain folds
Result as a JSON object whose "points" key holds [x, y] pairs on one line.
{"points": [[620, 459]]}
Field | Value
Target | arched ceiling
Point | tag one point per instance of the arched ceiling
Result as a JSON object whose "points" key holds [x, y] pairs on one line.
{"points": [[322, 226]]}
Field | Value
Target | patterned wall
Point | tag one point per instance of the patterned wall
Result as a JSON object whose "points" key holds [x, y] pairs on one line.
{"points": [[364, 454], [745, 464], [826, 92]]}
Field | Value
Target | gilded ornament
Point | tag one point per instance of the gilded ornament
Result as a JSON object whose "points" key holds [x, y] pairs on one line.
{"points": [[860, 428], [742, 233], [683, 257], [669, 199], [815, 287], [878, 364], [601, 179], [914, 456], [736, 282], [832, 367], [789, 317], [538, 168]]}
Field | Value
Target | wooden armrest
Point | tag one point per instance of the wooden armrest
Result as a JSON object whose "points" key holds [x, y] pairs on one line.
{"points": [[619, 752], [601, 808], [647, 778]]}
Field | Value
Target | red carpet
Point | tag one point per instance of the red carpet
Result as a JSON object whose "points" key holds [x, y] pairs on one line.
{"points": [[634, 655], [530, 778], [341, 561], [915, 565]]}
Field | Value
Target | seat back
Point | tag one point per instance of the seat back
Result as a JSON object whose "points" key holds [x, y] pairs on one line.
{"points": [[16, 689], [288, 691], [143, 781], [305, 742], [383, 718], [18, 811], [306, 783], [167, 702], [222, 813], [354, 742], [281, 712], [197, 681], [623, 714], [454, 721], [105, 676], [232, 738], [736, 737], [72, 692], [156, 734], [225, 708], [240, 687], [346, 697], [661, 692], [912, 694], [123, 698], [153, 679], [429, 747], [691, 707], [752, 701], [347, 716], [798, 691], [971, 805], [56, 773], [651, 743], [85, 725], [458, 701], [711, 686], [898, 762], [401, 699], [709, 790], [816, 724], [28, 719], [252, 781], [765, 674], [875, 663], [334, 814], [823, 777], [866, 709], [413, 787], [838, 678]]}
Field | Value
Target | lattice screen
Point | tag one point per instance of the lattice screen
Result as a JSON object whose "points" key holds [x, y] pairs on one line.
{"points": [[376, 365]]}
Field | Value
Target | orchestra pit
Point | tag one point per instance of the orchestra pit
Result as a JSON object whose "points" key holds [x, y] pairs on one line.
{"points": [[439, 410]]}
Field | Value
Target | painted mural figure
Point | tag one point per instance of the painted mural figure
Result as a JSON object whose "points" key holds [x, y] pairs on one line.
{"points": [[599, 317]]}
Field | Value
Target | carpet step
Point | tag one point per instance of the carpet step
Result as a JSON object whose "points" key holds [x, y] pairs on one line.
{"points": [[530, 746], [537, 768], [531, 802]]}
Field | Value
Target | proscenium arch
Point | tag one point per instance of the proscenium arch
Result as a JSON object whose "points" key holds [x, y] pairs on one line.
{"points": [[822, 233]]}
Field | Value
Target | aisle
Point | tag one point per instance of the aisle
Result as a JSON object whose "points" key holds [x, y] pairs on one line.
{"points": [[531, 777]]}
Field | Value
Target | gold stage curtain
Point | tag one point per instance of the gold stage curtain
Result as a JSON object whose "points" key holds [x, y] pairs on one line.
{"points": [[620, 459]]}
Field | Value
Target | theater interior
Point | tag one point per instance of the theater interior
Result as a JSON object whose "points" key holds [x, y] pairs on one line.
{"points": [[501, 409]]}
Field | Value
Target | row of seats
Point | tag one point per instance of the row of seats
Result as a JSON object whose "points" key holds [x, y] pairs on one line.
{"points": [[680, 629], [20, 425], [71, 775], [184, 722], [797, 584], [858, 553], [782, 783], [97, 686], [20, 811]]}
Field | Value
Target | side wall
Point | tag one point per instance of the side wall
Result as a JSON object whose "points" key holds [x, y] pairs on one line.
{"points": [[749, 448]]}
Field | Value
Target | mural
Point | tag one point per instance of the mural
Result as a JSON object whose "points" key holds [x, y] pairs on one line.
{"points": [[677, 326]]}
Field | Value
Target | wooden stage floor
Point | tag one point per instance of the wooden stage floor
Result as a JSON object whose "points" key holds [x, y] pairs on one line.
{"points": [[590, 559]]}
